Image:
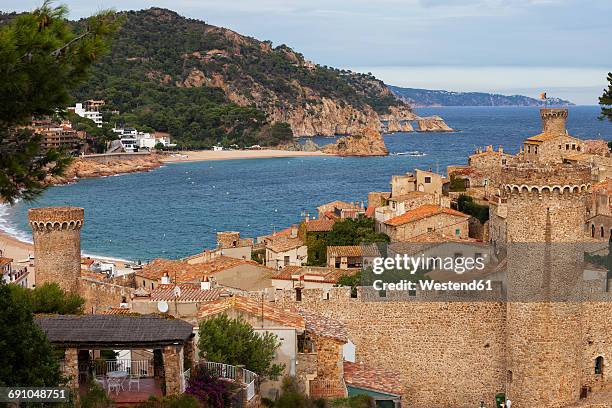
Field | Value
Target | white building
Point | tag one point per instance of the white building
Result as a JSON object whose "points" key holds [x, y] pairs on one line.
{"points": [[94, 115]]}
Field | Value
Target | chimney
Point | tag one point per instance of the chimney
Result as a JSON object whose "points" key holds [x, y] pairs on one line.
{"points": [[553, 120], [205, 283], [294, 231], [165, 279]]}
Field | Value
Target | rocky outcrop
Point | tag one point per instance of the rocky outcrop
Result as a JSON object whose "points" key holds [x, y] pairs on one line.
{"points": [[307, 146], [432, 124], [366, 142], [83, 168]]}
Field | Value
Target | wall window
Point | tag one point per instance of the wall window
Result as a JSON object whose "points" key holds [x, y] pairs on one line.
{"points": [[592, 230], [457, 232], [427, 179], [599, 365], [286, 260], [298, 294], [601, 232]]}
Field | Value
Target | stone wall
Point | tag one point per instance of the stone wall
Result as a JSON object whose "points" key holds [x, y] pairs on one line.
{"points": [[450, 354], [173, 369], [100, 296]]}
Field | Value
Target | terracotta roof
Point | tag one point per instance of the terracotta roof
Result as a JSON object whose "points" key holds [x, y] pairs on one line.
{"points": [[337, 204], [5, 261], [371, 210], [422, 212], [312, 274], [118, 311], [372, 378], [188, 293], [331, 215], [371, 250], [324, 326], [542, 137], [253, 307], [283, 245], [319, 225], [344, 250], [183, 272]]}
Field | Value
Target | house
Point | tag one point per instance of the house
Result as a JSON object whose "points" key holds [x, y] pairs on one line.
{"points": [[89, 111], [382, 384], [601, 166], [222, 271], [307, 277], [340, 210], [285, 248], [264, 317], [425, 219], [344, 257]]}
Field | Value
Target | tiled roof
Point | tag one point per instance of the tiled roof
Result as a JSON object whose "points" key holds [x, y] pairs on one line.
{"points": [[116, 330], [422, 212], [331, 215], [312, 274], [118, 311], [319, 225], [188, 293], [344, 250], [370, 211], [253, 307], [282, 245], [372, 378], [183, 272], [545, 136], [5, 261], [371, 250], [324, 326], [337, 204]]}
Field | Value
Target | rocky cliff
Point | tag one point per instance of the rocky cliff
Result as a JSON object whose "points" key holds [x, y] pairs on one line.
{"points": [[367, 142], [432, 124], [84, 168]]}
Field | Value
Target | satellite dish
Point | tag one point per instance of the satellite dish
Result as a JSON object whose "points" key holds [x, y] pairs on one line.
{"points": [[162, 306]]}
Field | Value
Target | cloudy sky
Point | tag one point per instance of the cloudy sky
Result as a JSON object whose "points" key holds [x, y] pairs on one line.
{"points": [[563, 47]]}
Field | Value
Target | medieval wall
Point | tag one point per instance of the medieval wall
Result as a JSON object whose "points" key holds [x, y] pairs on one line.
{"points": [[450, 354], [100, 296]]}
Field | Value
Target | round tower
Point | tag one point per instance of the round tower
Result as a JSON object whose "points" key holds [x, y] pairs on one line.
{"points": [[545, 232], [57, 245], [553, 120]]}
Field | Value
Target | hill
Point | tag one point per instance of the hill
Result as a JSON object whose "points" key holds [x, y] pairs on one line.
{"points": [[205, 84], [425, 97]]}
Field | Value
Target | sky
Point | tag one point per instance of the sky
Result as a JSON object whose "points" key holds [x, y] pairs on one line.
{"points": [[563, 47]]}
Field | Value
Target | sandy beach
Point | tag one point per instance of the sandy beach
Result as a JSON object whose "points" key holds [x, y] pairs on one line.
{"points": [[13, 248], [204, 155]]}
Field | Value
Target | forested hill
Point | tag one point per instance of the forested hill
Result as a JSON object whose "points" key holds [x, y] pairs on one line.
{"points": [[425, 97], [205, 84]]}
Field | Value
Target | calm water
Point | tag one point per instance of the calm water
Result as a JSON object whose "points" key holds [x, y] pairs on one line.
{"points": [[175, 211]]}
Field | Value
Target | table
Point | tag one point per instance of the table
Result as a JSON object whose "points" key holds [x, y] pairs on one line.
{"points": [[120, 375]]}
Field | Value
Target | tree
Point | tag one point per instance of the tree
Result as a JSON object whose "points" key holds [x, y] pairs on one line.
{"points": [[606, 100], [159, 146], [27, 357], [210, 389], [233, 341], [466, 204], [44, 61], [50, 298]]}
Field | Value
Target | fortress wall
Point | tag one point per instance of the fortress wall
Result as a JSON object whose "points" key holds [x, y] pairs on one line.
{"points": [[450, 354], [597, 326], [100, 296]]}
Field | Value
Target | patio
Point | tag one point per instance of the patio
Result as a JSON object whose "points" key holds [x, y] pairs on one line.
{"points": [[158, 349]]}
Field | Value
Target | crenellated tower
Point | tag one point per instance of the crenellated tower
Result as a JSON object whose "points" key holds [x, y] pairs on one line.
{"points": [[546, 208], [57, 245]]}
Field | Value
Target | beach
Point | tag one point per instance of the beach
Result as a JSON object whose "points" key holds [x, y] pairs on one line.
{"points": [[205, 155], [13, 248]]}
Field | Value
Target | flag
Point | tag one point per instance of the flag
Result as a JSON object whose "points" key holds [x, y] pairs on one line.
{"points": [[543, 96]]}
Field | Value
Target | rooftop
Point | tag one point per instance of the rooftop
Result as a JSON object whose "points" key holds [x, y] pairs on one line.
{"points": [[372, 378], [312, 274], [187, 293], [114, 330], [319, 225], [422, 212], [324, 326], [184, 272], [282, 245], [253, 307], [344, 250]]}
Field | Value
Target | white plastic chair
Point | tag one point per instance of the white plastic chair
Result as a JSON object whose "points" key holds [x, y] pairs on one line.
{"points": [[134, 379], [114, 384]]}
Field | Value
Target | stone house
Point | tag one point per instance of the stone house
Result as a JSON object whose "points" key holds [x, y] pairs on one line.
{"points": [[340, 210], [234, 273], [307, 277], [601, 166], [426, 219], [420, 180], [344, 257]]}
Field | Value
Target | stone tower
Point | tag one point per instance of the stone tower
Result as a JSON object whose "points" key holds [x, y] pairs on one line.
{"points": [[57, 245], [553, 120], [545, 231]]}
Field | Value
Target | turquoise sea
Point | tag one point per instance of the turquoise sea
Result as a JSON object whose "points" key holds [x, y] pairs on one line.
{"points": [[175, 211]]}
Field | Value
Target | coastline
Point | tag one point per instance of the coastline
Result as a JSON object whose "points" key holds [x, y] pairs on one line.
{"points": [[210, 155]]}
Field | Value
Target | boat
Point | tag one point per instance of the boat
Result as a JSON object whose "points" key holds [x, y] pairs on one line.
{"points": [[414, 153]]}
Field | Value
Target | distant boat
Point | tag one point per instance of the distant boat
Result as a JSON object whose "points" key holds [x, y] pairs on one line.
{"points": [[413, 153]]}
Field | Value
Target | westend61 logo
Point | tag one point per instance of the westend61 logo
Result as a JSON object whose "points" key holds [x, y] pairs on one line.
{"points": [[415, 267]]}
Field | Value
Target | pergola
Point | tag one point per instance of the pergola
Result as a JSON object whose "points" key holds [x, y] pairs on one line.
{"points": [[171, 338]]}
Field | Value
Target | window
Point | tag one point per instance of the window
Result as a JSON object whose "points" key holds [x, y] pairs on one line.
{"points": [[427, 179], [298, 294], [599, 363], [536, 149], [429, 229], [382, 293], [601, 232], [592, 230], [286, 260], [567, 147], [457, 231]]}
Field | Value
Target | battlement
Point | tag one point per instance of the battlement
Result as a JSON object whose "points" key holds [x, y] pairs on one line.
{"points": [[532, 178], [553, 120], [56, 218]]}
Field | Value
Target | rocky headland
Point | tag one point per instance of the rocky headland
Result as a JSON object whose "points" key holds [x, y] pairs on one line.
{"points": [[365, 142], [89, 168], [432, 124]]}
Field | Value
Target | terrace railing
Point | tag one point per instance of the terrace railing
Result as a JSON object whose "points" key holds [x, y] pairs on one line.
{"points": [[221, 370], [230, 372], [140, 368]]}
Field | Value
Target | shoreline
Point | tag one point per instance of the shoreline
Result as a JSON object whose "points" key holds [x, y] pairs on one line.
{"points": [[210, 155]]}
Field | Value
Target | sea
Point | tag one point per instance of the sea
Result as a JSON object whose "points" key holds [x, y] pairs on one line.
{"points": [[176, 210]]}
